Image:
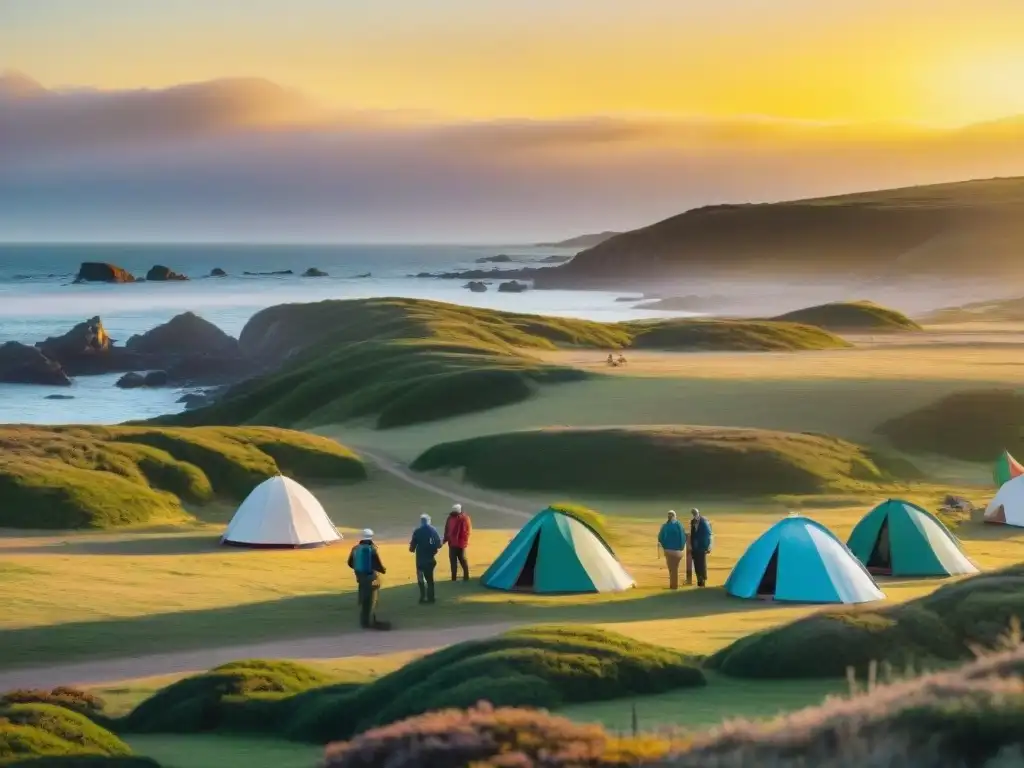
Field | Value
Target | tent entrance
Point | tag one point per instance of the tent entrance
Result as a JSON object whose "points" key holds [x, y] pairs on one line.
{"points": [[526, 576], [766, 588], [880, 561]]}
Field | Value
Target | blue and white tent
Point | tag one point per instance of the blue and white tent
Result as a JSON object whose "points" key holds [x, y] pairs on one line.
{"points": [[799, 560]]}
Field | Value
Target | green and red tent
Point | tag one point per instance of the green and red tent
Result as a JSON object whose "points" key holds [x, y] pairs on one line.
{"points": [[1006, 469]]}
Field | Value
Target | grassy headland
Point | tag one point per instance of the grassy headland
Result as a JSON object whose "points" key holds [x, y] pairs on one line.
{"points": [[403, 361], [660, 461], [852, 316], [107, 477]]}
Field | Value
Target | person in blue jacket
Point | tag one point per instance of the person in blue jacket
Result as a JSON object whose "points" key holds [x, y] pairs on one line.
{"points": [[365, 561], [425, 543], [672, 540], [700, 545]]}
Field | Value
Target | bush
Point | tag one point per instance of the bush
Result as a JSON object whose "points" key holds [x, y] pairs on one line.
{"points": [[485, 736], [972, 426], [937, 628], [83, 702], [243, 695], [660, 461], [568, 664], [40, 730], [105, 477]]}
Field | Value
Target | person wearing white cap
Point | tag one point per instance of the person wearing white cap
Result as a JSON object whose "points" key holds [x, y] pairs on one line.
{"points": [[365, 561], [456, 535], [672, 540], [425, 543]]}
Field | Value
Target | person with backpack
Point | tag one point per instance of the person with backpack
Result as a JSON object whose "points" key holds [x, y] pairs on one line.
{"points": [[425, 543], [456, 535], [700, 545], [672, 541], [364, 560]]}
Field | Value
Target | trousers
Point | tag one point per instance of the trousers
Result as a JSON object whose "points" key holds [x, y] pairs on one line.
{"points": [[369, 591], [425, 580], [457, 557], [672, 559], [700, 567]]}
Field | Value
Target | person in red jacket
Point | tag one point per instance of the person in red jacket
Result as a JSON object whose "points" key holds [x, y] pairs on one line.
{"points": [[456, 535]]}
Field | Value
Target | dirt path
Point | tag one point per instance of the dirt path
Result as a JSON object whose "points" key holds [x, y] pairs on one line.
{"points": [[324, 647]]}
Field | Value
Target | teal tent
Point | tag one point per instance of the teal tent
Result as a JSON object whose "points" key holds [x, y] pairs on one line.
{"points": [[800, 560], [898, 538], [556, 553]]}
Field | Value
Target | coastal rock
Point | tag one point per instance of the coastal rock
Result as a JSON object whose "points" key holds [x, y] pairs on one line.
{"points": [[513, 286], [201, 370], [183, 335], [59, 397], [218, 272], [501, 258], [362, 276], [314, 272], [131, 380], [88, 350], [161, 274], [22, 364], [269, 274], [157, 379], [100, 272], [476, 286], [554, 260], [194, 400]]}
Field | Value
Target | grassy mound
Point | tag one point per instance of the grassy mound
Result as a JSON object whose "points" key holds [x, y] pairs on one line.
{"points": [[659, 461], [940, 627], [862, 316], [83, 702], [973, 426], [104, 477], [405, 361], [506, 736], [44, 730], [243, 695], [731, 336], [537, 667]]}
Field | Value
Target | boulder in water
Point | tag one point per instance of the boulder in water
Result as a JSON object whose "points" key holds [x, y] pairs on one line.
{"points": [[269, 274], [183, 335], [218, 272], [59, 397], [101, 272], [131, 380], [512, 286], [87, 350], [22, 364], [314, 272], [161, 274], [157, 379], [476, 286]]}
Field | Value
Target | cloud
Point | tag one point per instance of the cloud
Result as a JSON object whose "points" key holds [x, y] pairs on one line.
{"points": [[246, 159]]}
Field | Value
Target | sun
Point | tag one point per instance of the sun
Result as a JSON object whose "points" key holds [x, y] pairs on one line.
{"points": [[986, 85]]}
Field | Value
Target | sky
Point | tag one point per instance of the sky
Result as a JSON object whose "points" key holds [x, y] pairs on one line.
{"points": [[484, 120], [933, 61]]}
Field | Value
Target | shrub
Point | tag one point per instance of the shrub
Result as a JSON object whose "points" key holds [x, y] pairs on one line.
{"points": [[568, 664], [83, 702], [659, 461], [940, 627], [39, 730], [485, 736], [243, 695]]}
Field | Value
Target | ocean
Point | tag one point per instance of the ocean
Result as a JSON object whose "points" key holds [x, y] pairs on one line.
{"points": [[38, 299]]}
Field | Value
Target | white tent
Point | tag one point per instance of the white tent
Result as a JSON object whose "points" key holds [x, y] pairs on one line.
{"points": [[280, 513], [1007, 508]]}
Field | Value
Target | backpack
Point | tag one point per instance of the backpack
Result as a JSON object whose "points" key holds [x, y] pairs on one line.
{"points": [[362, 560]]}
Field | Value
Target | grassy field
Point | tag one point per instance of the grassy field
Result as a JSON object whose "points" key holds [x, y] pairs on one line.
{"points": [[112, 477], [852, 316], [205, 751]]}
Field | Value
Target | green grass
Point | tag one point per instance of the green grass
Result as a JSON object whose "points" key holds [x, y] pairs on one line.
{"points": [[42, 730], [932, 630], [975, 425], [108, 477], [225, 751], [852, 316], [403, 361], [663, 461]]}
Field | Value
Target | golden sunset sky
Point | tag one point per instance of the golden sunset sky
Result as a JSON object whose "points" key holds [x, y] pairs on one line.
{"points": [[942, 62]]}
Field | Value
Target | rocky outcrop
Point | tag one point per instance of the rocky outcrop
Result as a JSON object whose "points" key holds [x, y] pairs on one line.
{"points": [[501, 258], [476, 286], [131, 380], [191, 350], [100, 272], [218, 272], [87, 350], [59, 397], [513, 286], [157, 379], [269, 274], [314, 272], [22, 364], [161, 274]]}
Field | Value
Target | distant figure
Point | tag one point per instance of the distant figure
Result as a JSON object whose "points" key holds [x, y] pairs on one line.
{"points": [[425, 543], [456, 535], [622, 360], [700, 545], [364, 560], [611, 359], [672, 539]]}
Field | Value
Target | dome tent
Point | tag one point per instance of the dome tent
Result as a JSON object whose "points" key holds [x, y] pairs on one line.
{"points": [[898, 538], [800, 560], [1006, 468], [555, 553], [1007, 508], [280, 514]]}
